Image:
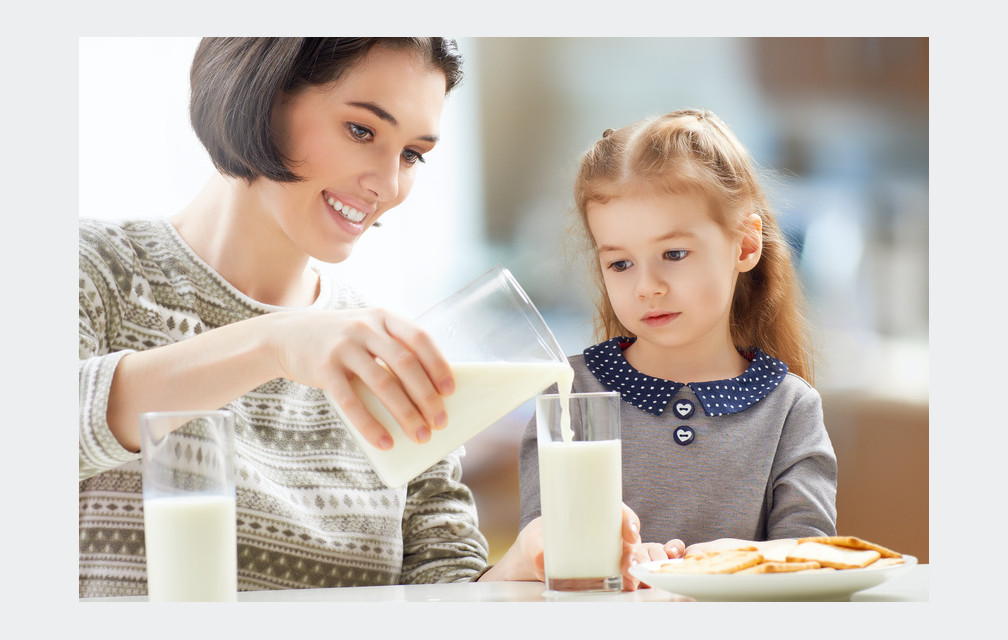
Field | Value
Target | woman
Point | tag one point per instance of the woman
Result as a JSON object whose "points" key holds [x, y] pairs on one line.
{"points": [[314, 140]]}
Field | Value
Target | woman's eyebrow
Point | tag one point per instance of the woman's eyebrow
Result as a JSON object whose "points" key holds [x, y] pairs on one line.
{"points": [[386, 116]]}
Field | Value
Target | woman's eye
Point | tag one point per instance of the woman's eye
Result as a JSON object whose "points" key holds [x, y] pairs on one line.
{"points": [[675, 254], [619, 265], [360, 133], [412, 157]]}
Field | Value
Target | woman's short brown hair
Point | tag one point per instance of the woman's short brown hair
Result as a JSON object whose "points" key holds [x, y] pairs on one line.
{"points": [[235, 82]]}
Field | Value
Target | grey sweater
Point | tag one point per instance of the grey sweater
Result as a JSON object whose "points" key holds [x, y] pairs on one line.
{"points": [[765, 472], [311, 512]]}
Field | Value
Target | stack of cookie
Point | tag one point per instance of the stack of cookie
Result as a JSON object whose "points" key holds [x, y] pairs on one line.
{"points": [[825, 553]]}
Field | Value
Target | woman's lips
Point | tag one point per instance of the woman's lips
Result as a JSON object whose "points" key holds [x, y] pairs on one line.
{"points": [[348, 217], [659, 319]]}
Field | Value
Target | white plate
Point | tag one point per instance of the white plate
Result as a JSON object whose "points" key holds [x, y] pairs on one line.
{"points": [[831, 585]]}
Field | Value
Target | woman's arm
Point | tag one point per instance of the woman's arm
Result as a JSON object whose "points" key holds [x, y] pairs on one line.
{"points": [[441, 541], [324, 349]]}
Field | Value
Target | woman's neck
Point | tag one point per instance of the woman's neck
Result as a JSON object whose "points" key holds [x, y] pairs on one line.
{"points": [[696, 362], [228, 229]]}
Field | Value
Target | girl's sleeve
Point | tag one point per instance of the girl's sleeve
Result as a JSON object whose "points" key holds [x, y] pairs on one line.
{"points": [[804, 474], [98, 304], [441, 538]]}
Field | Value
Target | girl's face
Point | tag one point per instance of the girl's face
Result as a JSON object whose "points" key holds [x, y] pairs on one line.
{"points": [[668, 268], [358, 145]]}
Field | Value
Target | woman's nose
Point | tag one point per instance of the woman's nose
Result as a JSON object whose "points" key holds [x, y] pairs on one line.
{"points": [[382, 177]]}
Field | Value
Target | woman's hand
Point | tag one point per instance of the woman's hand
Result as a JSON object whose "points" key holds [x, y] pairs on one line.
{"points": [[331, 349]]}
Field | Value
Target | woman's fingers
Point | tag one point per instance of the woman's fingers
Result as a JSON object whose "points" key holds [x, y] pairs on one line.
{"points": [[429, 355], [391, 357], [420, 370], [358, 414], [389, 391]]}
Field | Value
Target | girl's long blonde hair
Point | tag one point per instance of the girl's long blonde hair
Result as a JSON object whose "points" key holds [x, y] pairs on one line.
{"points": [[694, 151]]}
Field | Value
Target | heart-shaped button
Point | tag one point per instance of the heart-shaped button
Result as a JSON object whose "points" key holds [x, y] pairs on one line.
{"points": [[683, 408], [684, 435]]}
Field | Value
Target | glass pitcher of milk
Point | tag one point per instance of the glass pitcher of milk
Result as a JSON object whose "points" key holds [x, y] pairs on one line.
{"points": [[501, 353]]}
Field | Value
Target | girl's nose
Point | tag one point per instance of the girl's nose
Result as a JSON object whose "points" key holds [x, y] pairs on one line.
{"points": [[650, 283]]}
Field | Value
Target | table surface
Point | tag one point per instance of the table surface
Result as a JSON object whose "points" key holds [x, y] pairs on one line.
{"points": [[910, 586]]}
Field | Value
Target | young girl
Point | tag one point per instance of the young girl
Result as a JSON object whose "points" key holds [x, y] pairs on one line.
{"points": [[702, 336]]}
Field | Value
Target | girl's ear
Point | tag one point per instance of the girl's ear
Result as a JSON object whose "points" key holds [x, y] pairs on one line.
{"points": [[751, 245]]}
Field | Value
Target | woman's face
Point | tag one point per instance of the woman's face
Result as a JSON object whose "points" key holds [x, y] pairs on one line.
{"points": [[358, 145]]}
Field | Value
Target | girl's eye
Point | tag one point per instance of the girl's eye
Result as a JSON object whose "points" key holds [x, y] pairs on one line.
{"points": [[360, 133], [412, 157], [619, 265], [675, 254]]}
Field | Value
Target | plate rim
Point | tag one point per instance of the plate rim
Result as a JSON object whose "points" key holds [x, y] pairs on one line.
{"points": [[836, 585]]}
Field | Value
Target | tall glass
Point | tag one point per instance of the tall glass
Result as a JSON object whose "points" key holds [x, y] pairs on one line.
{"points": [[501, 353], [190, 523], [580, 488]]}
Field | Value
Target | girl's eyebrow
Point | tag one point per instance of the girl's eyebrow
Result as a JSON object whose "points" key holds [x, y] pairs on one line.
{"points": [[387, 117], [671, 235]]}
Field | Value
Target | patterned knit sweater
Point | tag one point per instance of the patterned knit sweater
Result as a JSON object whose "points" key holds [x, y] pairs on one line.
{"points": [[311, 512]]}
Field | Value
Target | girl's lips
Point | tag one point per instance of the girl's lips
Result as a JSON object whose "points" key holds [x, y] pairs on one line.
{"points": [[659, 319]]}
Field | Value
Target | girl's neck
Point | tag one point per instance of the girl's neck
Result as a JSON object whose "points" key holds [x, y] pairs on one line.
{"points": [[697, 362], [230, 232]]}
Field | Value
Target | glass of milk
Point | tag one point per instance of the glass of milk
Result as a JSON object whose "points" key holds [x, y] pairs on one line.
{"points": [[501, 353], [190, 530], [580, 488]]}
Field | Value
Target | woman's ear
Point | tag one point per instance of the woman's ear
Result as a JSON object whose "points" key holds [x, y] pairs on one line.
{"points": [[751, 244]]}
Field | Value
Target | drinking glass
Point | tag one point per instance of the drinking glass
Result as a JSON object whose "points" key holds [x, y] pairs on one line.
{"points": [[190, 521], [580, 488]]}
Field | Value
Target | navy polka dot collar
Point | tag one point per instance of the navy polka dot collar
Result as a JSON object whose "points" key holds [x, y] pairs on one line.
{"points": [[720, 397]]}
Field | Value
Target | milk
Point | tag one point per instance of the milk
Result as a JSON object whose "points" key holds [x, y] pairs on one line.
{"points": [[580, 491], [484, 393], [191, 548]]}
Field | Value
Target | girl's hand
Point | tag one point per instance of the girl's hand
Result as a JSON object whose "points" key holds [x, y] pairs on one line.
{"points": [[649, 551], [525, 559], [330, 349], [633, 550]]}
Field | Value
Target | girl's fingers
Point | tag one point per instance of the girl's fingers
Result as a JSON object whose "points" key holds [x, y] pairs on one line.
{"points": [[631, 526], [675, 548]]}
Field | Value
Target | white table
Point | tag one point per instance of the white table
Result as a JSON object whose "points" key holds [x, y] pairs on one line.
{"points": [[912, 586]]}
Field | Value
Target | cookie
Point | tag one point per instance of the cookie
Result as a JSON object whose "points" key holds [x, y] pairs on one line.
{"points": [[829, 555], [727, 561], [781, 567], [853, 542]]}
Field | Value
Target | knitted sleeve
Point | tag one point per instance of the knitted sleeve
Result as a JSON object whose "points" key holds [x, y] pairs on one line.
{"points": [[803, 478], [99, 316], [441, 539]]}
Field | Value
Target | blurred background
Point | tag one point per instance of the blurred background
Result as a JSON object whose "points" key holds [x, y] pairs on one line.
{"points": [[839, 124]]}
